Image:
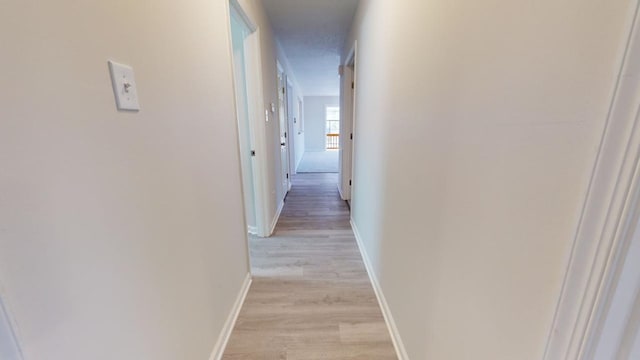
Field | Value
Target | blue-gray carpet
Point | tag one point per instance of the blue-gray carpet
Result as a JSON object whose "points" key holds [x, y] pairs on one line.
{"points": [[319, 162]]}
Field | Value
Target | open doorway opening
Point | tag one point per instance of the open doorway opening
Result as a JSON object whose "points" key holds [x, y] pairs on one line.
{"points": [[332, 128], [245, 46], [322, 134]]}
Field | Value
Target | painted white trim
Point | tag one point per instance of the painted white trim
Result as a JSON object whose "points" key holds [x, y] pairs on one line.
{"points": [[253, 230], [283, 116], [301, 115], [598, 232], [243, 14], [274, 222], [347, 122], [352, 58], [260, 137], [225, 334], [254, 80], [618, 314], [231, 9], [401, 352], [340, 192], [291, 129]]}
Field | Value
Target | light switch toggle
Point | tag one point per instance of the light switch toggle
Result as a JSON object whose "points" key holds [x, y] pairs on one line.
{"points": [[124, 86]]}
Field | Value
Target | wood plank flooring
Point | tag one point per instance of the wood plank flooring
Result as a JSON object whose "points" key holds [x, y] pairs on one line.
{"points": [[311, 298]]}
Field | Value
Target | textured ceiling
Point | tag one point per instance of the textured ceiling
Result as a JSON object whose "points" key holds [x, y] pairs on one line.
{"points": [[312, 34]]}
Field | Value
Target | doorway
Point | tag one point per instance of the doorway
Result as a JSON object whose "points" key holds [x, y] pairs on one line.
{"points": [[332, 127], [291, 121], [283, 115], [321, 135], [347, 125], [247, 83]]}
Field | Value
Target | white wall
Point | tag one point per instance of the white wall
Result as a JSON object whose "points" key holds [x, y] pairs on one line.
{"points": [[490, 123], [315, 120], [121, 234]]}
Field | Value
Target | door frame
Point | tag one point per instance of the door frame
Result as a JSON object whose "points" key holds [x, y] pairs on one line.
{"points": [[291, 144], [601, 235], [255, 105], [348, 74], [615, 333], [284, 112]]}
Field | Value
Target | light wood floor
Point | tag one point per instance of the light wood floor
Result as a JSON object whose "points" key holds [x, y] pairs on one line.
{"points": [[311, 298]]}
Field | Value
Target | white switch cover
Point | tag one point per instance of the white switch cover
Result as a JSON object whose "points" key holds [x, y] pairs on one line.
{"points": [[124, 86]]}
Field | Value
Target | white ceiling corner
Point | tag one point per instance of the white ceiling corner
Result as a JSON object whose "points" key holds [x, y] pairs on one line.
{"points": [[312, 34]]}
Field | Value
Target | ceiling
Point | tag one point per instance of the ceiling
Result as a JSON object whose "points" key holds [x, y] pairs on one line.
{"points": [[312, 34]]}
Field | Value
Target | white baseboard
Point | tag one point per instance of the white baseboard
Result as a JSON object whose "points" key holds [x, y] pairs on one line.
{"points": [[225, 334], [401, 352], [298, 163], [340, 192], [252, 230], [274, 222]]}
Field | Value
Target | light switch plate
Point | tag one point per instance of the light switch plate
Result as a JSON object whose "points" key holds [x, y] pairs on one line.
{"points": [[124, 86]]}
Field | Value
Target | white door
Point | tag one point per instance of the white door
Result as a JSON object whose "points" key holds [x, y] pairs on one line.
{"points": [[291, 146], [347, 127], [284, 153], [239, 33]]}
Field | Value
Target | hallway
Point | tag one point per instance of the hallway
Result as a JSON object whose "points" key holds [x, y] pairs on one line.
{"points": [[311, 297], [492, 150]]}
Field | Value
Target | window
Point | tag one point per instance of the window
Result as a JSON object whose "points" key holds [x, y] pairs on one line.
{"points": [[332, 129]]}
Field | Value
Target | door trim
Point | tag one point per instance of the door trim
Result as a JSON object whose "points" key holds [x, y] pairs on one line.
{"points": [[598, 236], [291, 129], [285, 110], [348, 106], [256, 108]]}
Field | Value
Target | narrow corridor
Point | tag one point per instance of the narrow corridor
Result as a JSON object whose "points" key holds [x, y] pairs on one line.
{"points": [[311, 297]]}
